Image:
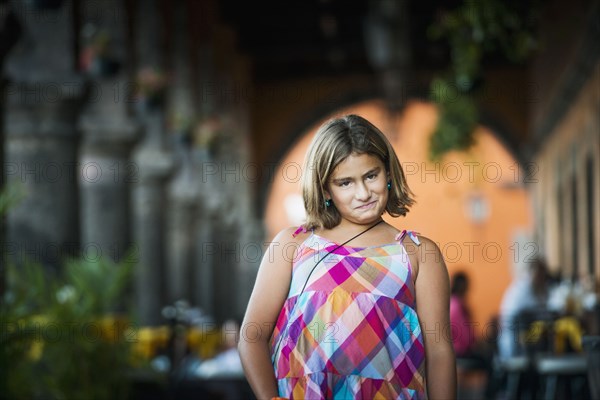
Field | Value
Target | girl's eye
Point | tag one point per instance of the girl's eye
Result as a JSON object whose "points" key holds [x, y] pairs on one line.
{"points": [[371, 176], [344, 183]]}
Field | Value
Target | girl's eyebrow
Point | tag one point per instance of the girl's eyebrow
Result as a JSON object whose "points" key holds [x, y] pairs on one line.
{"points": [[369, 172]]}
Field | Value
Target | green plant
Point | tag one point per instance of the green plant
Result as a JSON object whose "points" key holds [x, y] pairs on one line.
{"points": [[16, 310], [27, 293], [474, 30], [10, 196], [61, 338]]}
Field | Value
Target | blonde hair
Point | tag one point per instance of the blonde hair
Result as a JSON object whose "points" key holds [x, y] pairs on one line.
{"points": [[335, 140]]}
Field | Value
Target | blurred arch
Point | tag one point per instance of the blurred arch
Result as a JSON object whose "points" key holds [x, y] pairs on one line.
{"points": [[486, 241]]}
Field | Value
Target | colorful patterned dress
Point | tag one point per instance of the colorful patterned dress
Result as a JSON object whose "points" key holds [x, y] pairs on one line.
{"points": [[353, 333]]}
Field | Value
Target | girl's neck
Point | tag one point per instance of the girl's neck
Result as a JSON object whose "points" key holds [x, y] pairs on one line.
{"points": [[349, 226]]}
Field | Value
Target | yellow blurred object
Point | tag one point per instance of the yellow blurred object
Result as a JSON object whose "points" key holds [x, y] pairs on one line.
{"points": [[204, 342], [567, 329], [113, 327], [149, 340], [37, 324], [36, 350], [42, 329], [535, 332]]}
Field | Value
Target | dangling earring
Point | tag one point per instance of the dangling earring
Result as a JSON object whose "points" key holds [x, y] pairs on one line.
{"points": [[328, 203], [389, 185]]}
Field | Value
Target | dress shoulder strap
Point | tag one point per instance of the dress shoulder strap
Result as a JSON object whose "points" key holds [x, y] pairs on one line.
{"points": [[411, 234], [301, 229]]}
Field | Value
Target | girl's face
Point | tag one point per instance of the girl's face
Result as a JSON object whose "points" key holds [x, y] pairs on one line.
{"points": [[358, 188]]}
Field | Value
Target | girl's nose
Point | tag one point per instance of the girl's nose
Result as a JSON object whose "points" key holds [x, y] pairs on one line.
{"points": [[362, 192]]}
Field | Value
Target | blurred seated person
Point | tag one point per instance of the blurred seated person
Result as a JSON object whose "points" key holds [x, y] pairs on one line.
{"points": [[528, 292], [574, 303], [473, 357], [463, 335]]}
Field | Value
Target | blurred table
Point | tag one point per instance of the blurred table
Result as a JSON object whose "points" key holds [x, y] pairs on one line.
{"points": [[591, 348]]}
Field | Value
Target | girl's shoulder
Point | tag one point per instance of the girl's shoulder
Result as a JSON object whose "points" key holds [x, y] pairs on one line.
{"points": [[291, 235], [415, 239], [420, 250], [284, 246], [298, 230]]}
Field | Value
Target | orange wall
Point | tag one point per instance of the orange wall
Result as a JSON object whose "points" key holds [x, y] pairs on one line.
{"points": [[441, 199]]}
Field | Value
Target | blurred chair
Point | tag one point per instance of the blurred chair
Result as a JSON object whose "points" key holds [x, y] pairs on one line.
{"points": [[534, 336], [473, 376], [591, 347], [563, 370], [515, 369], [563, 375]]}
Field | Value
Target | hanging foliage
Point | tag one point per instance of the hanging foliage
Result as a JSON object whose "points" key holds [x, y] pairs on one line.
{"points": [[472, 31]]}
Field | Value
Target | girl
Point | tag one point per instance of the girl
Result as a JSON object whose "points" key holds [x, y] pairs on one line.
{"points": [[359, 310]]}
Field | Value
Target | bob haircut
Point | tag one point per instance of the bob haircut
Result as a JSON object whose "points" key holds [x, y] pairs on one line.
{"points": [[335, 140]]}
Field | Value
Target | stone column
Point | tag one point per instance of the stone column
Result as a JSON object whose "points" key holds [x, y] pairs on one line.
{"points": [[226, 247], [155, 165], [41, 161], [109, 131], [208, 266], [227, 258], [43, 105], [204, 260], [183, 206], [184, 189], [107, 175], [253, 239]]}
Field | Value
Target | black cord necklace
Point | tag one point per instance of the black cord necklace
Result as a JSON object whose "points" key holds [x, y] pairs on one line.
{"points": [[337, 247]]}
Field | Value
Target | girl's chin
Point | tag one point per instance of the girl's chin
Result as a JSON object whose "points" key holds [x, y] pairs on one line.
{"points": [[366, 217], [374, 209]]}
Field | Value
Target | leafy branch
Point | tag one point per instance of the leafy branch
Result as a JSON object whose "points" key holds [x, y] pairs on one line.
{"points": [[474, 30]]}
